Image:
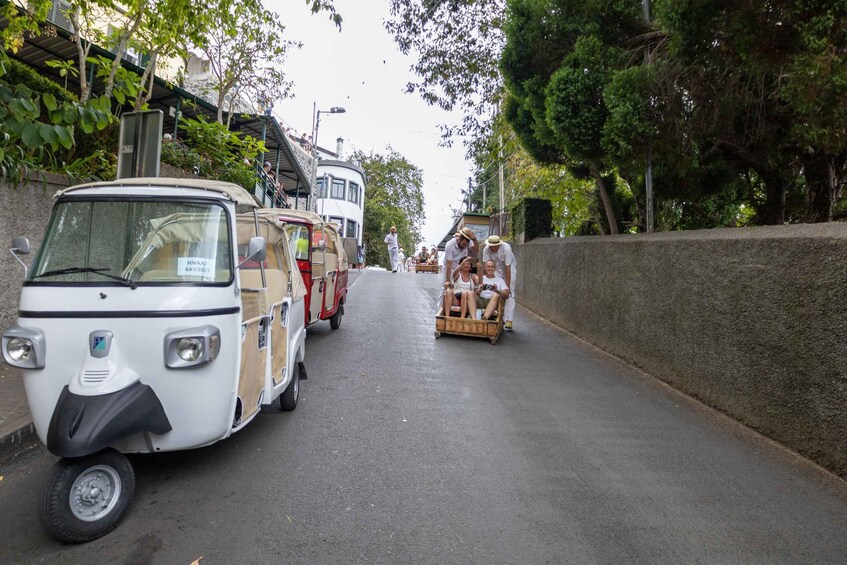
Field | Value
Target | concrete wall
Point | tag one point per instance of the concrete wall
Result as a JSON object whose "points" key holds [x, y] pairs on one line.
{"points": [[752, 321], [24, 211]]}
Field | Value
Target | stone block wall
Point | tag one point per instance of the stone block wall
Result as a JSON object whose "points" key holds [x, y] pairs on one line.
{"points": [[751, 321]]}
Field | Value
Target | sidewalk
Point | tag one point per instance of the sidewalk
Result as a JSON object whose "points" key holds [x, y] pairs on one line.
{"points": [[16, 429]]}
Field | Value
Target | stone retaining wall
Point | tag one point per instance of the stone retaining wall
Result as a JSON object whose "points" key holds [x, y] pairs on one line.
{"points": [[24, 211], [752, 321]]}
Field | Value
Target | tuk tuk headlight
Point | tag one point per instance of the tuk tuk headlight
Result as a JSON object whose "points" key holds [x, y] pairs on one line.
{"points": [[192, 347], [24, 348], [20, 349], [189, 349]]}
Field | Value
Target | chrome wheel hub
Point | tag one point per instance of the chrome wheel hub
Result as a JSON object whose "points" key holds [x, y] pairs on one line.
{"points": [[95, 493]]}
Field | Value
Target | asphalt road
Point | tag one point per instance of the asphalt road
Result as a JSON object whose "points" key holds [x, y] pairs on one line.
{"points": [[407, 449]]}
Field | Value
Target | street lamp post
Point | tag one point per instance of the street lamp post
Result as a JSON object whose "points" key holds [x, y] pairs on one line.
{"points": [[317, 113]]}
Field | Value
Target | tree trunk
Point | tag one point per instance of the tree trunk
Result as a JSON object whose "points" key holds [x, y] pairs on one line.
{"points": [[821, 186], [608, 205], [772, 212], [82, 52]]}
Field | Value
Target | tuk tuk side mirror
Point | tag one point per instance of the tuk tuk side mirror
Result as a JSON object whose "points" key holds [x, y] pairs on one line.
{"points": [[20, 246], [322, 245], [256, 250]]}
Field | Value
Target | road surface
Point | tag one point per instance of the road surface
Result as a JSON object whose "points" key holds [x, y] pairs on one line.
{"points": [[408, 449]]}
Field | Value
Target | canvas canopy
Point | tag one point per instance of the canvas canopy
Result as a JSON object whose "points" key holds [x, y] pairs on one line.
{"points": [[276, 237], [231, 191]]}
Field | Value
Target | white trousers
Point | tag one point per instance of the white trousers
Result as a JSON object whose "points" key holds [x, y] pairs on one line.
{"points": [[509, 308], [392, 257]]}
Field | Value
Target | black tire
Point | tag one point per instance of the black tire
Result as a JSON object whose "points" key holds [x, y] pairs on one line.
{"points": [[288, 399], [335, 320], [82, 518]]}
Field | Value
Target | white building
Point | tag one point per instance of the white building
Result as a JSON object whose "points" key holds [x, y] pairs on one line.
{"points": [[340, 194]]}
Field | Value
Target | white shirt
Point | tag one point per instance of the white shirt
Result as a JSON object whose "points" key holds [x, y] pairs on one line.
{"points": [[391, 240], [501, 285], [454, 254], [502, 259]]}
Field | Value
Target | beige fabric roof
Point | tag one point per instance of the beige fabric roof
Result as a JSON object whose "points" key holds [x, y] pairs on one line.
{"points": [[232, 191], [274, 233], [292, 213]]}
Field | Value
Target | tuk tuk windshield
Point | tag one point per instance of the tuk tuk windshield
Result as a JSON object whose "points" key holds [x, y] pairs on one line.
{"points": [[135, 242], [298, 237]]}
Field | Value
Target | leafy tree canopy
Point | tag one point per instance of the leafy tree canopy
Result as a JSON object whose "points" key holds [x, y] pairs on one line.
{"points": [[393, 197]]}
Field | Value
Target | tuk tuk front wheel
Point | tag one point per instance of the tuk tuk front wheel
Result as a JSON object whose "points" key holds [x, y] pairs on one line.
{"points": [[86, 497], [288, 399]]}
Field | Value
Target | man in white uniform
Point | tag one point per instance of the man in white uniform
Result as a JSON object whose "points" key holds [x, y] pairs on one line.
{"points": [[456, 250], [506, 268], [393, 247]]}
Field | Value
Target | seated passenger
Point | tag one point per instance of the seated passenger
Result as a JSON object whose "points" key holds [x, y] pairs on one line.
{"points": [[433, 257], [461, 291], [492, 290], [423, 256]]}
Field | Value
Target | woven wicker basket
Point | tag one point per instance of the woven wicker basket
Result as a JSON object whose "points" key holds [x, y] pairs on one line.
{"points": [[453, 325]]}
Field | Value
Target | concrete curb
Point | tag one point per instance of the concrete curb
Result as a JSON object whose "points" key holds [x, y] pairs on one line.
{"points": [[17, 441]]}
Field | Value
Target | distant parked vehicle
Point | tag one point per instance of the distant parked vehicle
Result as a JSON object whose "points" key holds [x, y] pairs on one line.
{"points": [[154, 319], [322, 262]]}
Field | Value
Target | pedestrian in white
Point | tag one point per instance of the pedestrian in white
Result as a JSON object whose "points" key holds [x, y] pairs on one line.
{"points": [[501, 253], [393, 247], [401, 260]]}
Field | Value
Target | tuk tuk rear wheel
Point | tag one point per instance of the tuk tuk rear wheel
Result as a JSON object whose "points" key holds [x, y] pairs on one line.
{"points": [[335, 320], [288, 399], [86, 497]]}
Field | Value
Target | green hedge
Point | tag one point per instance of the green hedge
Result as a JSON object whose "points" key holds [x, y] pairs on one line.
{"points": [[19, 73], [532, 218]]}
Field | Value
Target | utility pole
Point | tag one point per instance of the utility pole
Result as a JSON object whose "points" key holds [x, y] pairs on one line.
{"points": [[648, 174], [502, 186], [469, 194]]}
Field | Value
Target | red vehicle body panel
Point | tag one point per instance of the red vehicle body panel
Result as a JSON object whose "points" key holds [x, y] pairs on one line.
{"points": [[340, 295]]}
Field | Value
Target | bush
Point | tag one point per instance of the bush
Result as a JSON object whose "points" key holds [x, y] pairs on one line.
{"points": [[532, 218], [19, 73]]}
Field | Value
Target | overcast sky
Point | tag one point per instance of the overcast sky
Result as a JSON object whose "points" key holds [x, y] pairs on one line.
{"points": [[361, 69]]}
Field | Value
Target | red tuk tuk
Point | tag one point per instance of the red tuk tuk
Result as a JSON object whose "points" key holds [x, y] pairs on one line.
{"points": [[322, 263]]}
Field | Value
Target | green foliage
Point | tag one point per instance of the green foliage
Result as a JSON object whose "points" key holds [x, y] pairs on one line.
{"points": [[393, 197], [216, 152], [183, 157], [38, 124], [532, 218]]}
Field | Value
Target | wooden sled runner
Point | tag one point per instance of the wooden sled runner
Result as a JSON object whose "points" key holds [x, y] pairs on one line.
{"points": [[454, 325]]}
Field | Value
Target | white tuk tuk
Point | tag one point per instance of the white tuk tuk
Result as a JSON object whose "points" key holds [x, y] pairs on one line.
{"points": [[158, 315]]}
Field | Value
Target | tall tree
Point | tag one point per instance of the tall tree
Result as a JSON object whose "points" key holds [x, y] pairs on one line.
{"points": [[457, 46], [246, 48], [393, 197]]}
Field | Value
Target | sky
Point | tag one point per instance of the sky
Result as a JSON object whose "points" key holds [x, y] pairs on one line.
{"points": [[361, 69]]}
